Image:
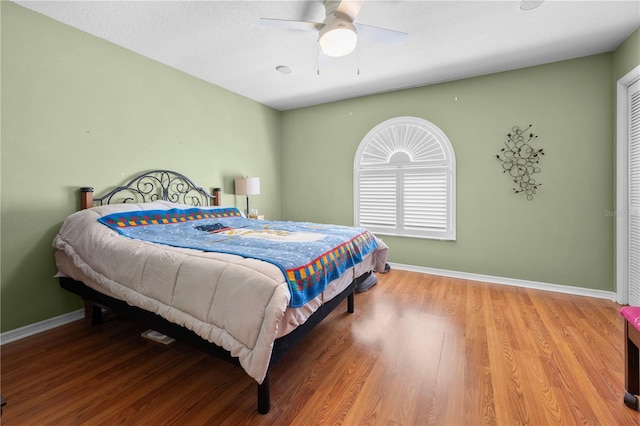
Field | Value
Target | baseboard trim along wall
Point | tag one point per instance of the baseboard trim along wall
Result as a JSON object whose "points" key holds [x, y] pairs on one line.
{"points": [[39, 327], [558, 288], [29, 330]]}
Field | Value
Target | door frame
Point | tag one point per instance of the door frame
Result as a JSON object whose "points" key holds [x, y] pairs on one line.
{"points": [[622, 186]]}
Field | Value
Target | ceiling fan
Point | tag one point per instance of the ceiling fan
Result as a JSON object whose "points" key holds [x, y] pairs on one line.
{"points": [[338, 34]]}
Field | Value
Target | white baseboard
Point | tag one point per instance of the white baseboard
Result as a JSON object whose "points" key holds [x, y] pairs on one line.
{"points": [[558, 288], [39, 327]]}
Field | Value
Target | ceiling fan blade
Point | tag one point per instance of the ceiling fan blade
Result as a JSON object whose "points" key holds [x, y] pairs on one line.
{"points": [[292, 25], [382, 35], [350, 8]]}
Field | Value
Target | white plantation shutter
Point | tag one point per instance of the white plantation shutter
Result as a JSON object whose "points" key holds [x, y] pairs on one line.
{"points": [[378, 200], [404, 177], [633, 211], [425, 201]]}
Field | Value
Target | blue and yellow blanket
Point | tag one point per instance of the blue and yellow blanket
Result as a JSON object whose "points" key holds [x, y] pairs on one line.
{"points": [[310, 255]]}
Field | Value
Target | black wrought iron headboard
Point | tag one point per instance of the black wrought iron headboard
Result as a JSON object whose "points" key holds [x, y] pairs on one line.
{"points": [[155, 185]]}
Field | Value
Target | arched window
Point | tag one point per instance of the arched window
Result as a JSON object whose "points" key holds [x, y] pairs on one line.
{"points": [[404, 178]]}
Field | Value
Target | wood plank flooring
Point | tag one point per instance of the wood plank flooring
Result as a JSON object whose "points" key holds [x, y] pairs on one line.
{"points": [[419, 350]]}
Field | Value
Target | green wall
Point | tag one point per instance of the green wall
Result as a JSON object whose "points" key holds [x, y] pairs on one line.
{"points": [[627, 55], [563, 236], [79, 111]]}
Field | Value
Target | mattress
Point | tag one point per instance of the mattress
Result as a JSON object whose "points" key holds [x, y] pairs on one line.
{"points": [[238, 303]]}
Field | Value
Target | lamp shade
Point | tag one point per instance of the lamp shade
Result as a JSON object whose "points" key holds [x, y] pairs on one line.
{"points": [[247, 185]]}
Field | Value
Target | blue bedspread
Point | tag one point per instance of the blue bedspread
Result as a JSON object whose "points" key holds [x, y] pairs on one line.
{"points": [[310, 255]]}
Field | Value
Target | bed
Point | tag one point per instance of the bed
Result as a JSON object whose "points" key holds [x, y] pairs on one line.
{"points": [[164, 251]]}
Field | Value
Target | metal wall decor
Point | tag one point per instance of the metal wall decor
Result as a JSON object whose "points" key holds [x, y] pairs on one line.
{"points": [[520, 160]]}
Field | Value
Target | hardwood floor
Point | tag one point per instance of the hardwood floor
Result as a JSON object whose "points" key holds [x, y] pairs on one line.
{"points": [[419, 350]]}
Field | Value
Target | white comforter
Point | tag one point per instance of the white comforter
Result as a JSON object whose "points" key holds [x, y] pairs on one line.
{"points": [[232, 301]]}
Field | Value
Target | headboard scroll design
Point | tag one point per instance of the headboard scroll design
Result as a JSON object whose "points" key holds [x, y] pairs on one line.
{"points": [[155, 185]]}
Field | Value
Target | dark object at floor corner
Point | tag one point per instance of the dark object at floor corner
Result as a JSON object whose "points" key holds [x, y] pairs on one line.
{"points": [[631, 401], [366, 284]]}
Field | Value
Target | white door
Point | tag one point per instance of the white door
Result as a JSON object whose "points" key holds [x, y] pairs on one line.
{"points": [[632, 214]]}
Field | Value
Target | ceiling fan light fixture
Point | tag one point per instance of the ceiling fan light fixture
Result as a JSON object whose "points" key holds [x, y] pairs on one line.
{"points": [[339, 39]]}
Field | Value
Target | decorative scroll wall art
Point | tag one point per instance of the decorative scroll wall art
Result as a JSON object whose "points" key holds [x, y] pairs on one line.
{"points": [[520, 160]]}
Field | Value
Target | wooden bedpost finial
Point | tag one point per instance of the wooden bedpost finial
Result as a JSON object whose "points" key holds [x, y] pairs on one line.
{"points": [[217, 201], [86, 197]]}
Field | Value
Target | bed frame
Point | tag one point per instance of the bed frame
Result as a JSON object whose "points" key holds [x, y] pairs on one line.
{"points": [[171, 186]]}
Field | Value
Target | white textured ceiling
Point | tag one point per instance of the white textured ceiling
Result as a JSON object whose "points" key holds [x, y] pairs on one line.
{"points": [[222, 43]]}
